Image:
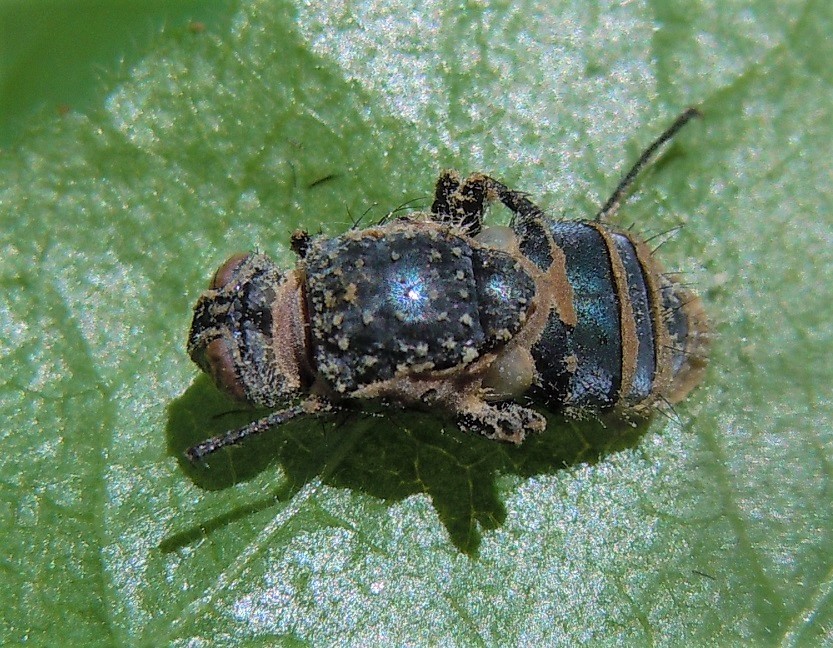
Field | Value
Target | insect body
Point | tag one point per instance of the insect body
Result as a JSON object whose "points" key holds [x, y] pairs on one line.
{"points": [[433, 311]]}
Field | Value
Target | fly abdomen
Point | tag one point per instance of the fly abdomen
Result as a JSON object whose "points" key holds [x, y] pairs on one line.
{"points": [[581, 366], [625, 342], [640, 302]]}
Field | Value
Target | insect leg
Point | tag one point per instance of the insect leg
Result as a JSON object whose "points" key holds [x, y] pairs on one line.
{"points": [[613, 203], [299, 242], [515, 201], [505, 421], [233, 437], [464, 202], [460, 203]]}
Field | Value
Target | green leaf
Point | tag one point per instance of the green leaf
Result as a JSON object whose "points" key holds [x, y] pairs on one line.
{"points": [[56, 56], [711, 528]]}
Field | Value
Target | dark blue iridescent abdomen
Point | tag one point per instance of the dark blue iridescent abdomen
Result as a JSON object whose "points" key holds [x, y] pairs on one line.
{"points": [[582, 364], [628, 318]]}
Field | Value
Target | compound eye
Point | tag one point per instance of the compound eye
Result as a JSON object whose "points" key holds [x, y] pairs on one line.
{"points": [[228, 271], [218, 362]]}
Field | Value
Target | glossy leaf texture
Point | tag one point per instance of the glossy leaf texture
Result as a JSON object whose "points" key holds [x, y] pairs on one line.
{"points": [[712, 527]]}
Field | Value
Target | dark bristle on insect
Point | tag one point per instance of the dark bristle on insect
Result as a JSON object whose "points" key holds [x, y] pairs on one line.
{"points": [[434, 311]]}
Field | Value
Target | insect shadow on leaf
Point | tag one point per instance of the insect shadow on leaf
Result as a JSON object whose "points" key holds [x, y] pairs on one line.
{"points": [[484, 327], [407, 454]]}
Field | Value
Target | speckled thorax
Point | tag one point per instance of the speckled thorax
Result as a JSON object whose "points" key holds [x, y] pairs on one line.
{"points": [[408, 298]]}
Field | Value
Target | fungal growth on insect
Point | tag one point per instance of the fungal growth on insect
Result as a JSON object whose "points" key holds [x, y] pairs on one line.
{"points": [[433, 311]]}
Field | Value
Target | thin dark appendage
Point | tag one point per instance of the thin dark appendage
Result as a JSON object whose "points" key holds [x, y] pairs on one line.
{"points": [[670, 230], [209, 446], [680, 350], [703, 574], [469, 198], [515, 201], [322, 180], [447, 184], [674, 417], [612, 204], [299, 242], [460, 202], [359, 220], [405, 206]]}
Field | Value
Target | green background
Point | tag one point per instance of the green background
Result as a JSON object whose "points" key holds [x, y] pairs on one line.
{"points": [[139, 151]]}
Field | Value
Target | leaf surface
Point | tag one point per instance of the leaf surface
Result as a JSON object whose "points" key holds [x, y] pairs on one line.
{"points": [[713, 528]]}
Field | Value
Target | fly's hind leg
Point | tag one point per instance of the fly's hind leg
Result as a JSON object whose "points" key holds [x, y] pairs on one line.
{"points": [[463, 202], [505, 421], [460, 203]]}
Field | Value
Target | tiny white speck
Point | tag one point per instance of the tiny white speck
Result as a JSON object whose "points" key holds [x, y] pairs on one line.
{"points": [[469, 354]]}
